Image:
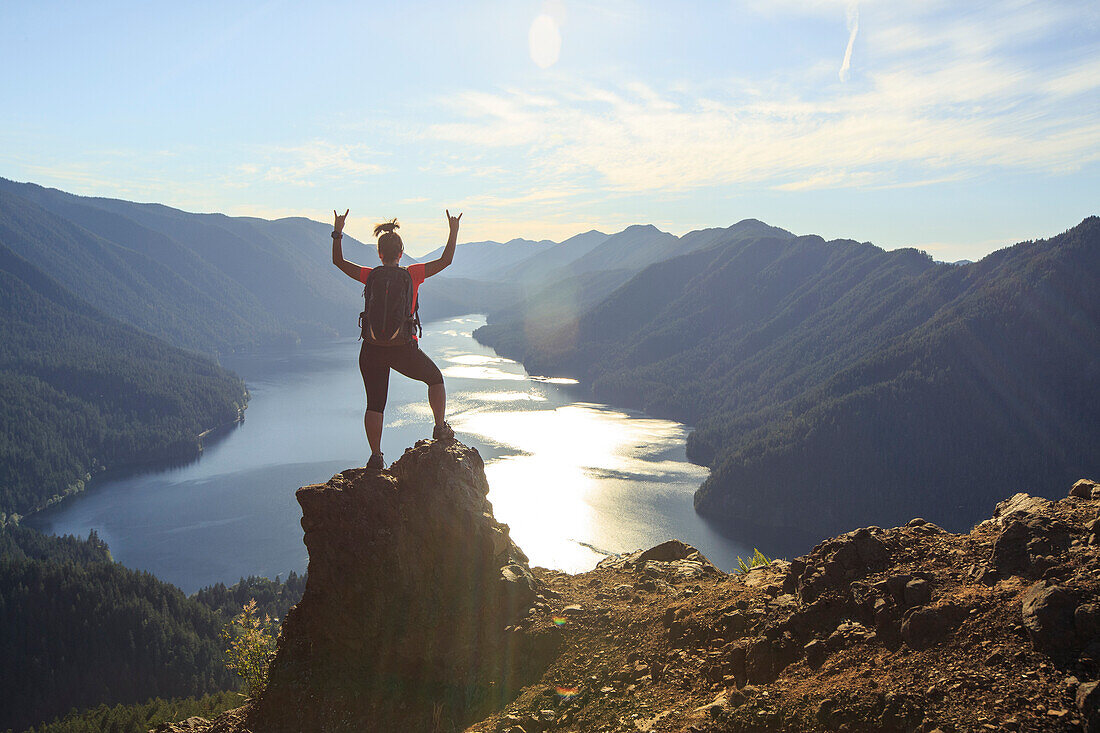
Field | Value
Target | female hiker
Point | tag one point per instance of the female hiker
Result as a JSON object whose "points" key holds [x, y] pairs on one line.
{"points": [[390, 324]]}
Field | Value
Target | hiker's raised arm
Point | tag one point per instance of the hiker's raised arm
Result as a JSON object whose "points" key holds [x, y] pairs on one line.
{"points": [[350, 269], [435, 266]]}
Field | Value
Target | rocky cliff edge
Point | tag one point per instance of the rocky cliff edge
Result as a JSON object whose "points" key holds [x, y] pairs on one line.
{"points": [[421, 615], [411, 586]]}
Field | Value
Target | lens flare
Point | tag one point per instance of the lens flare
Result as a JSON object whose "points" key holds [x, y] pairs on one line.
{"points": [[567, 693], [558, 620], [544, 40]]}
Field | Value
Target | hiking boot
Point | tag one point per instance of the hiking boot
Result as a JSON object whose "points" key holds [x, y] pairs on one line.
{"points": [[443, 431], [376, 461]]}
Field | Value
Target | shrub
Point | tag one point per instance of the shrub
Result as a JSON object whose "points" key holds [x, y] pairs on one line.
{"points": [[251, 642], [758, 558]]}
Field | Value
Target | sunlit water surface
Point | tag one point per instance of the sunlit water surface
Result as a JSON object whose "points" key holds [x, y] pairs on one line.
{"points": [[573, 479]]}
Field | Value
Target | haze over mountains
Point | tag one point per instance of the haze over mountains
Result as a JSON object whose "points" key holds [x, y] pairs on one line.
{"points": [[834, 383], [883, 380], [489, 260]]}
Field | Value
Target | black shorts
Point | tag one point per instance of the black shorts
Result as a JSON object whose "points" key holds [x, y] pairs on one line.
{"points": [[375, 363]]}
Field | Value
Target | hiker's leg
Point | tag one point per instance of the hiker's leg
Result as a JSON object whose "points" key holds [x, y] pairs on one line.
{"points": [[375, 369], [415, 364], [372, 421], [437, 398]]}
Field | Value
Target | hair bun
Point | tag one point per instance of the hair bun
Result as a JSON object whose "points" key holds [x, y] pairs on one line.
{"points": [[386, 227]]}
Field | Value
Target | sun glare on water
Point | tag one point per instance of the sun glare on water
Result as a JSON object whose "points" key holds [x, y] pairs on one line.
{"points": [[545, 41], [555, 459], [573, 480]]}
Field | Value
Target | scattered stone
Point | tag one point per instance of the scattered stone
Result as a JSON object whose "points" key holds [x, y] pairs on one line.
{"points": [[918, 592], [836, 561], [519, 586], [847, 634], [1025, 539], [1086, 622], [825, 710], [1048, 616], [193, 723], [814, 652], [733, 622], [1020, 504], [1088, 705], [895, 586], [766, 658], [1085, 489], [925, 626], [668, 551], [713, 708]]}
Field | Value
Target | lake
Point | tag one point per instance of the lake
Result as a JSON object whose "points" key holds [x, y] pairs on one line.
{"points": [[573, 479]]}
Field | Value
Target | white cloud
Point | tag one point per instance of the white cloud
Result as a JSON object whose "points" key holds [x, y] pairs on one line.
{"points": [[944, 95], [853, 29], [315, 161]]}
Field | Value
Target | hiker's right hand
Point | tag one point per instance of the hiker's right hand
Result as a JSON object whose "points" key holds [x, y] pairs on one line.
{"points": [[338, 226], [452, 221]]}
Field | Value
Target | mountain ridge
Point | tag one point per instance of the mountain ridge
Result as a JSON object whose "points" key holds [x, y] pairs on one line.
{"points": [[753, 340], [83, 390]]}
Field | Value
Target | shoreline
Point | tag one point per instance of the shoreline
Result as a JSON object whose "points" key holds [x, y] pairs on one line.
{"points": [[80, 486], [665, 513]]}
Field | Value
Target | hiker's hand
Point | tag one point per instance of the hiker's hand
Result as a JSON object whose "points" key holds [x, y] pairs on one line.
{"points": [[452, 221], [338, 225]]}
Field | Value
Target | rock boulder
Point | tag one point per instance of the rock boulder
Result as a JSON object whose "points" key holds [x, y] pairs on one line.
{"points": [[411, 584], [1048, 615]]}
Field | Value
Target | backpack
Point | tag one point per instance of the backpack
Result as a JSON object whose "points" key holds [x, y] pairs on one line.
{"points": [[389, 318]]}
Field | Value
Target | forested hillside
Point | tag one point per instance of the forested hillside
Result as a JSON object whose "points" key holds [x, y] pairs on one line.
{"points": [[80, 390], [215, 283], [833, 383], [140, 717], [206, 282], [81, 630]]}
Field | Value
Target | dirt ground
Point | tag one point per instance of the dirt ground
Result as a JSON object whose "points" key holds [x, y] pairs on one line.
{"points": [[661, 646]]}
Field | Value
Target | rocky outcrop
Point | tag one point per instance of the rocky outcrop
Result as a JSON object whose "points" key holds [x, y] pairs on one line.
{"points": [[422, 615], [908, 629], [411, 586]]}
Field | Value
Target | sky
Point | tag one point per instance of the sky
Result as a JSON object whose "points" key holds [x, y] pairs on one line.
{"points": [[955, 127]]}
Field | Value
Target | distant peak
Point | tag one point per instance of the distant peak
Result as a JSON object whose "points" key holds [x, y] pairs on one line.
{"points": [[755, 225], [641, 229]]}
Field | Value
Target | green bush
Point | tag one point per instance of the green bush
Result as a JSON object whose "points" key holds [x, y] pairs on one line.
{"points": [[758, 558], [251, 642]]}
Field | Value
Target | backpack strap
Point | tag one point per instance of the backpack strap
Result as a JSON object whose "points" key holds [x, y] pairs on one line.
{"points": [[415, 315], [363, 324]]}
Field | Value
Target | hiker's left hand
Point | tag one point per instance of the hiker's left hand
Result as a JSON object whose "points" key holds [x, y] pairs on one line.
{"points": [[452, 221]]}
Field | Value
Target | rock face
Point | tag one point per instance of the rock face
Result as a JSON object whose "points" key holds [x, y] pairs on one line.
{"points": [[411, 585], [422, 616]]}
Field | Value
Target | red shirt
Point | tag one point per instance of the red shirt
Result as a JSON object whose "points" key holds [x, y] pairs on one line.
{"points": [[416, 270]]}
